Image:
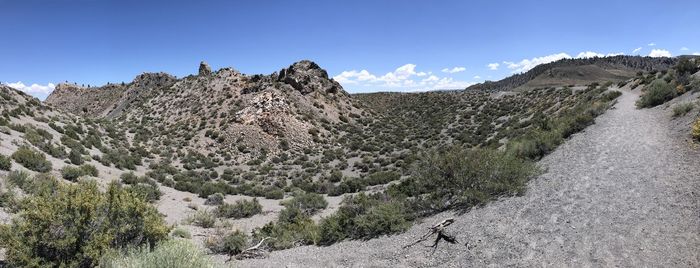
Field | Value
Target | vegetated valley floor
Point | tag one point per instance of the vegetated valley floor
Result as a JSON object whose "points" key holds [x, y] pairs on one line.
{"points": [[623, 193]]}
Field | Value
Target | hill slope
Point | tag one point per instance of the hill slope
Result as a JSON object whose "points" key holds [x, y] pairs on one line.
{"points": [[578, 71]]}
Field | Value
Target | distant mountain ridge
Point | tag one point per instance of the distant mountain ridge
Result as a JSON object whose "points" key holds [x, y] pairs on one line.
{"points": [[604, 69]]}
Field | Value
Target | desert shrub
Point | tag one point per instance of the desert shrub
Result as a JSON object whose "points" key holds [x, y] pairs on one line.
{"points": [[149, 191], [363, 217], [274, 193], [5, 163], [682, 109], [75, 225], [658, 92], [175, 253], [291, 229], [460, 178], [130, 178], [231, 244], [240, 209], [695, 130], [202, 218], [215, 199], [71, 173], [31, 159], [308, 203], [19, 178], [75, 157], [181, 233]]}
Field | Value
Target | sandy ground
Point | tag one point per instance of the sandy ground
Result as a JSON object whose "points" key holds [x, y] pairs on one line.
{"points": [[624, 193]]}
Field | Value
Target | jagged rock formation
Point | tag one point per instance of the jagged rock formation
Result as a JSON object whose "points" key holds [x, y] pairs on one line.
{"points": [[256, 111], [204, 69], [610, 69]]}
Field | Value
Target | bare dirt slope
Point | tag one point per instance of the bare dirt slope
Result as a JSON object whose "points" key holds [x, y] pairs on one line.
{"points": [[623, 193]]}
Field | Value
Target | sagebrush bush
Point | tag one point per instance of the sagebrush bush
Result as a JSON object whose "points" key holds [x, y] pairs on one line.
{"points": [[292, 228], [232, 243], [658, 92], [240, 209], [172, 253], [74, 225], [363, 217], [682, 109], [460, 178], [214, 199], [309, 203], [31, 159], [203, 218], [5, 162], [181, 233]]}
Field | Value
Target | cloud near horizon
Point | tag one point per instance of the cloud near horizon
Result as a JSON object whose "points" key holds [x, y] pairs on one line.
{"points": [[659, 53], [404, 78], [454, 70], [33, 88]]}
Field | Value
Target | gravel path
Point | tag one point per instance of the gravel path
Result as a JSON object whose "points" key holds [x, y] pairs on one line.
{"points": [[623, 193]]}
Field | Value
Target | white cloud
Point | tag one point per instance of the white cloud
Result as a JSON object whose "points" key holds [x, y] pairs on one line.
{"points": [[651, 44], [637, 50], [684, 49], [454, 70], [477, 77], [404, 78], [493, 66], [696, 53], [659, 53], [32, 89], [591, 54], [353, 76], [527, 64]]}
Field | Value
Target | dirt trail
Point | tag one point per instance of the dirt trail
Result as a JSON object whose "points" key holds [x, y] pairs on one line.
{"points": [[623, 193]]}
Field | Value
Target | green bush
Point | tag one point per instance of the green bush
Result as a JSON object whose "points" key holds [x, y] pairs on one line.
{"points": [[308, 203], [72, 173], [460, 178], [181, 233], [240, 209], [75, 225], [5, 162], [292, 228], [230, 244], [214, 199], [175, 253], [31, 159], [363, 217], [19, 178], [658, 92], [682, 109], [203, 218]]}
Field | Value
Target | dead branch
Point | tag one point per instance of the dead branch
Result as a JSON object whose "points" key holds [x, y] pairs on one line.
{"points": [[442, 234], [254, 252]]}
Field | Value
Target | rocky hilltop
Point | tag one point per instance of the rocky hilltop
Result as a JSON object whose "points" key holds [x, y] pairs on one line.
{"points": [[231, 109]]}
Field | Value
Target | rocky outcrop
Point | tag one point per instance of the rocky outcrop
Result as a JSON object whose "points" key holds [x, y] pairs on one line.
{"points": [[204, 69], [306, 77]]}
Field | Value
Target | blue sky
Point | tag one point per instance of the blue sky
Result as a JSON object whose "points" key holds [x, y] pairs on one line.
{"points": [[366, 45]]}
